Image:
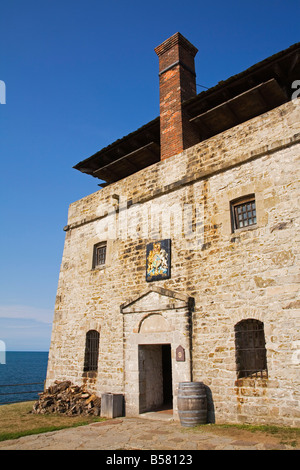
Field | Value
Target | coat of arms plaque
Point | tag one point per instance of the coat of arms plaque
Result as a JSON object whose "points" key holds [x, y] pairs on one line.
{"points": [[158, 260]]}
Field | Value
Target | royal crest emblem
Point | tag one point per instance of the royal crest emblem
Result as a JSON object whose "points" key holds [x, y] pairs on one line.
{"points": [[158, 260]]}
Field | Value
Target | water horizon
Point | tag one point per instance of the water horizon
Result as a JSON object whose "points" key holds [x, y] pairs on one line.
{"points": [[27, 369]]}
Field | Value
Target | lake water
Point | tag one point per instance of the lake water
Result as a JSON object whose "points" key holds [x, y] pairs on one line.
{"points": [[22, 368]]}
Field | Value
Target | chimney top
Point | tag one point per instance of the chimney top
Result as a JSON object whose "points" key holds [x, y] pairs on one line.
{"points": [[176, 39], [177, 84]]}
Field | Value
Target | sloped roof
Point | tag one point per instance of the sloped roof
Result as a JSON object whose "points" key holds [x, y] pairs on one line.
{"points": [[250, 93]]}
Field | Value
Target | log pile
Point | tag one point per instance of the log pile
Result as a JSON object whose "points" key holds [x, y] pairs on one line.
{"points": [[69, 399]]}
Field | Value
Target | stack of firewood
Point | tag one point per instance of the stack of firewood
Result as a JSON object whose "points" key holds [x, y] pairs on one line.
{"points": [[64, 397]]}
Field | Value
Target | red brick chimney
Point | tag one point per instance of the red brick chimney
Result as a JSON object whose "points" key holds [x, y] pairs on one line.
{"points": [[177, 83]]}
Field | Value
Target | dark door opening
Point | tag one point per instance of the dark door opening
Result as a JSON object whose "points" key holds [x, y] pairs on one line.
{"points": [[167, 376], [155, 377]]}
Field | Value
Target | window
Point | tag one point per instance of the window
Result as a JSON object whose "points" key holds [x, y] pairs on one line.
{"points": [[243, 212], [99, 255], [91, 351], [251, 356]]}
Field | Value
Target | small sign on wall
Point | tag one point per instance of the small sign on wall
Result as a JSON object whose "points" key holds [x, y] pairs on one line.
{"points": [[180, 354]]}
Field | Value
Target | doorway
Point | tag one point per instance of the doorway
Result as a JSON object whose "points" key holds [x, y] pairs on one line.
{"points": [[155, 377]]}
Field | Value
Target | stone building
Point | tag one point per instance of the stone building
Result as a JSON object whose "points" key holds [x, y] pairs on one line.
{"points": [[184, 265]]}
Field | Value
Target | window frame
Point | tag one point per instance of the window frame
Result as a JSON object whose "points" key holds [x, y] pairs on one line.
{"points": [[250, 349], [98, 246], [240, 202], [91, 352]]}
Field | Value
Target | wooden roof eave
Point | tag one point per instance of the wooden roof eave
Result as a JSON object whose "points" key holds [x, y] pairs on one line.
{"points": [[235, 113], [149, 150]]}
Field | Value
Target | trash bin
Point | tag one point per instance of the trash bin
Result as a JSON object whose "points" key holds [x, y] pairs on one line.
{"points": [[111, 405]]}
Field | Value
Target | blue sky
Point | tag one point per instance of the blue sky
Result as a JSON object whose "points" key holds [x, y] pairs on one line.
{"points": [[79, 75]]}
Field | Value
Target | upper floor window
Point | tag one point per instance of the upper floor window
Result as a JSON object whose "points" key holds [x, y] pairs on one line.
{"points": [[243, 212], [251, 355], [99, 256]]}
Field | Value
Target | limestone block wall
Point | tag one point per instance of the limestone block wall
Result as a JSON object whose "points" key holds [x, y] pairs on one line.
{"points": [[251, 273]]}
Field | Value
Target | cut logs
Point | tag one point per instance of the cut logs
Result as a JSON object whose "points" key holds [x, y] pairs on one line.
{"points": [[69, 399]]}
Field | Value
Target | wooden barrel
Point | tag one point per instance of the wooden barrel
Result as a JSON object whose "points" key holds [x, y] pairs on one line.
{"points": [[192, 403]]}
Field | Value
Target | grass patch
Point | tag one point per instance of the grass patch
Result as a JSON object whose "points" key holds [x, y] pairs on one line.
{"points": [[284, 435], [17, 421]]}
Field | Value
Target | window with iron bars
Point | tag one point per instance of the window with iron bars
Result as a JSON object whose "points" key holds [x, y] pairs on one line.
{"points": [[91, 351], [251, 355], [99, 257], [243, 212]]}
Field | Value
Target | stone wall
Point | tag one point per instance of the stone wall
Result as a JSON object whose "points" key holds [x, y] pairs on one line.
{"points": [[252, 273]]}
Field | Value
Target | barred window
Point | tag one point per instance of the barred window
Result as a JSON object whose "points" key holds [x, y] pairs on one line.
{"points": [[99, 257], [251, 356], [91, 351], [243, 212]]}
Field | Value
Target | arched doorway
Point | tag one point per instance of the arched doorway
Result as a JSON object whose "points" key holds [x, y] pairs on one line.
{"points": [[154, 325]]}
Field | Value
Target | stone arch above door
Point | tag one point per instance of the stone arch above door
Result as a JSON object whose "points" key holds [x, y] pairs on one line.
{"points": [[154, 323]]}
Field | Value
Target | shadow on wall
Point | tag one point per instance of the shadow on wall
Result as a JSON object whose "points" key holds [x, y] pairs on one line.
{"points": [[210, 406]]}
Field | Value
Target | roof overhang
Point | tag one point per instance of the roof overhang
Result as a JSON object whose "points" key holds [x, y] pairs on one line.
{"points": [[125, 156], [262, 87], [241, 108]]}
